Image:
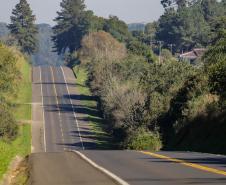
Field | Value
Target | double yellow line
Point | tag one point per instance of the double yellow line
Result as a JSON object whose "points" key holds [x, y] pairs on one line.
{"points": [[182, 162]]}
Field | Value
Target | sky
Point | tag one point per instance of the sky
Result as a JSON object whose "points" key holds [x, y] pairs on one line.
{"points": [[131, 11]]}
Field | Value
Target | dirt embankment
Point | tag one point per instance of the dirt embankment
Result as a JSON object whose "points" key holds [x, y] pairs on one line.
{"points": [[18, 173]]}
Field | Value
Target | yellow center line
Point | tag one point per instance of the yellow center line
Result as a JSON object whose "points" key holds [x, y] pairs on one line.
{"points": [[197, 166]]}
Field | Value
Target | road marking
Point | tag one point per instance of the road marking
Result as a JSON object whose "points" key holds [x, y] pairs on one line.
{"points": [[59, 113], [43, 111], [72, 106], [183, 162], [102, 169]]}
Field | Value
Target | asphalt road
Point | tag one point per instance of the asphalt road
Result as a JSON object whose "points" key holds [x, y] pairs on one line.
{"points": [[59, 125], [56, 112], [64, 168], [137, 168]]}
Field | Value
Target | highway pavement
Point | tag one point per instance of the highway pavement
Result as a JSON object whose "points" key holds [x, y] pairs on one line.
{"points": [[137, 168], [60, 132], [56, 111]]}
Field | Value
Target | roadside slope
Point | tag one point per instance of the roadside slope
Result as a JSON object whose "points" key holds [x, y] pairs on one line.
{"points": [[22, 112]]}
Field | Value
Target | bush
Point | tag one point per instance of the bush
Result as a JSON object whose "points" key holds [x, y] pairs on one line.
{"points": [[122, 101], [10, 75], [100, 45], [138, 48], [8, 127], [142, 139]]}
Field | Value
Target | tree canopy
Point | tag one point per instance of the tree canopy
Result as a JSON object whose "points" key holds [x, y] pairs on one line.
{"points": [[22, 27], [189, 26], [73, 22]]}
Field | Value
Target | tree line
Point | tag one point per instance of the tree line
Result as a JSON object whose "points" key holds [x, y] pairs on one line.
{"points": [[185, 24], [23, 37]]}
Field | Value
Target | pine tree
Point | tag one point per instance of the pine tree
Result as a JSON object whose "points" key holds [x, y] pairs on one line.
{"points": [[22, 27], [73, 23]]}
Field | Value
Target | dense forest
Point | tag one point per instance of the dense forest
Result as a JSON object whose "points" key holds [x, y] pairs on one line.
{"points": [[149, 102]]}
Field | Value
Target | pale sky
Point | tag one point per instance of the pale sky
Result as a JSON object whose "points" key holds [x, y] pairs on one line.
{"points": [[131, 11]]}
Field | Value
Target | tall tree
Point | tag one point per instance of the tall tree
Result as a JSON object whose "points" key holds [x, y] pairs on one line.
{"points": [[73, 22], [177, 3], [22, 27], [118, 28], [215, 59], [212, 9], [185, 29]]}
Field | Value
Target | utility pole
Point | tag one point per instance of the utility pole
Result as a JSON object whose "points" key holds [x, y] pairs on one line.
{"points": [[171, 47], [160, 49]]}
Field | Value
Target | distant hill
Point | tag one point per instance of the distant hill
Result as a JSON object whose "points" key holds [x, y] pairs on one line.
{"points": [[3, 29], [136, 27], [44, 55]]}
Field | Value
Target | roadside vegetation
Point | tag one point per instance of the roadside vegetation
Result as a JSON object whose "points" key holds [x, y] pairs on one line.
{"points": [[102, 138], [149, 101], [15, 138], [15, 86]]}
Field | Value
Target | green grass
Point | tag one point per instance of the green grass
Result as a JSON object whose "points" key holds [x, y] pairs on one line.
{"points": [[23, 100], [103, 140], [22, 111], [20, 146]]}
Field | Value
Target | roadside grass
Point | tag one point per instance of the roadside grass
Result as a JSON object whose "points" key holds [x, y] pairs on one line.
{"points": [[103, 139], [21, 146], [23, 99]]}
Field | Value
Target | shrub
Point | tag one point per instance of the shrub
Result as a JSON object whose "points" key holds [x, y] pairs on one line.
{"points": [[138, 48], [9, 73], [123, 100], [8, 127], [100, 45], [142, 139]]}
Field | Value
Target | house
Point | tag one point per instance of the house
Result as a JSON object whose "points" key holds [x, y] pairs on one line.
{"points": [[192, 56]]}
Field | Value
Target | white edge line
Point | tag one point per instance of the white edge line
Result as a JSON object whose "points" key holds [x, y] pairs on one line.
{"points": [[59, 113], [103, 170], [73, 110], [43, 111]]}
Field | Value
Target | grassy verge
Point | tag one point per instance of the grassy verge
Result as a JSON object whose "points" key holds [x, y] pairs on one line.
{"points": [[20, 146], [23, 100], [22, 111], [103, 140]]}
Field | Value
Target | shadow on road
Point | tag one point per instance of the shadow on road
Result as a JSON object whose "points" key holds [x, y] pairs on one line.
{"points": [[93, 137]]}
